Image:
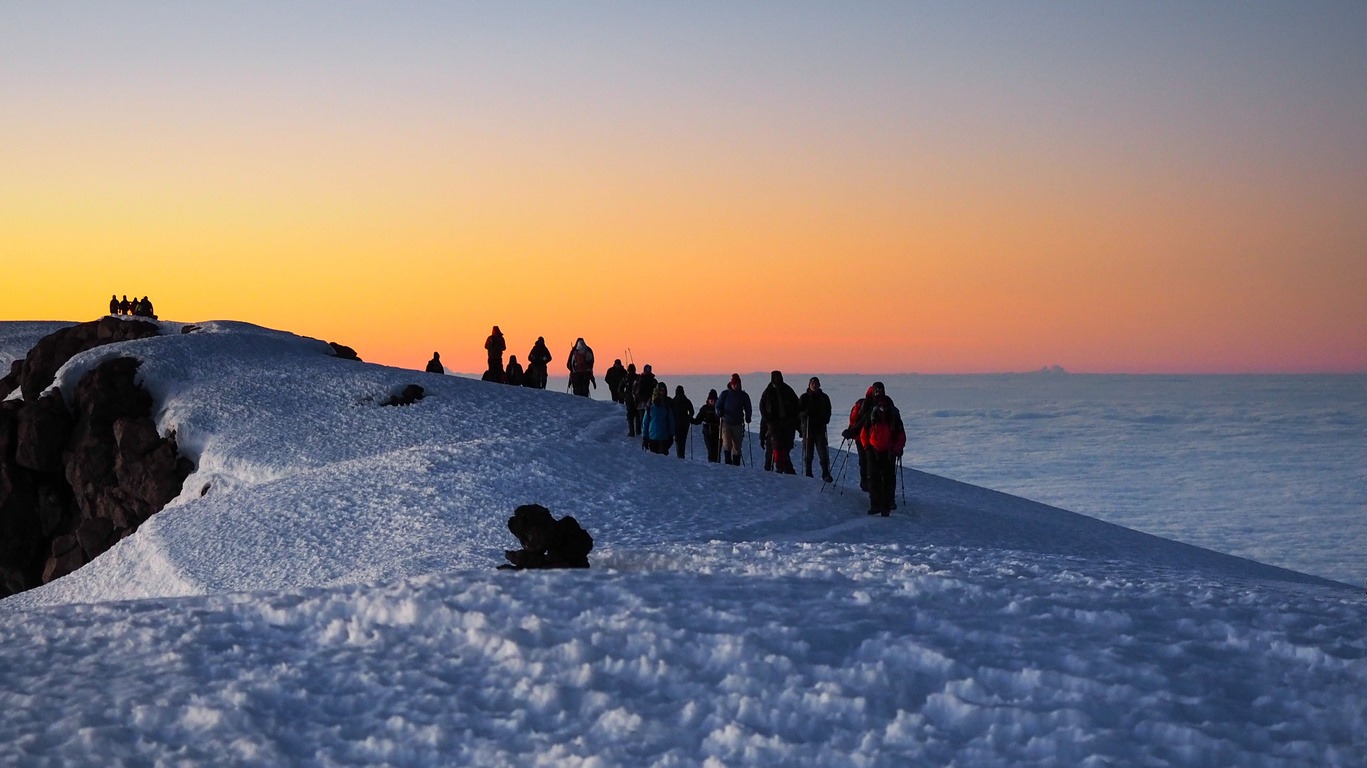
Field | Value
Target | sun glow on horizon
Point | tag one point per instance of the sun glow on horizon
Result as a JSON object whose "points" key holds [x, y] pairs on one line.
{"points": [[858, 189]]}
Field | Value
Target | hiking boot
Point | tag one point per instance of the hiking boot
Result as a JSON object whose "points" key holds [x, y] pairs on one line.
{"points": [[808, 473], [873, 510], [825, 477], [886, 512]]}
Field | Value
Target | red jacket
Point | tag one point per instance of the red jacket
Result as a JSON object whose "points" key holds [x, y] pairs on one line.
{"points": [[884, 431], [856, 411]]}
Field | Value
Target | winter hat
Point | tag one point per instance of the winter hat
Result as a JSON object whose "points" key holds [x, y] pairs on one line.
{"points": [[711, 395], [776, 377], [735, 379]]}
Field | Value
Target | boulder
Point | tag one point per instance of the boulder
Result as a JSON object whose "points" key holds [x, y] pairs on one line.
{"points": [[343, 351], [409, 395], [546, 541]]}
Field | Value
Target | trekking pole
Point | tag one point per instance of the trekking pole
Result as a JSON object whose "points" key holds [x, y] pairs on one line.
{"points": [[854, 448], [839, 471], [749, 446], [690, 441], [902, 477]]}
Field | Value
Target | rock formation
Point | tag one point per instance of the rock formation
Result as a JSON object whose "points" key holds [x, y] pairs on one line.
{"points": [[75, 480]]}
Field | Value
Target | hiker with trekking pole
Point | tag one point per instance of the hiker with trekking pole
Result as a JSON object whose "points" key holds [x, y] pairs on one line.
{"points": [[815, 409], [733, 411], [880, 430]]}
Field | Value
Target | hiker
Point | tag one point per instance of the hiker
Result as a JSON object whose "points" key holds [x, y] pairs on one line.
{"points": [[143, 308], [733, 409], [814, 412], [434, 365], [884, 437], [683, 417], [494, 346], [125, 306], [626, 394], [513, 374], [643, 392], [658, 422], [852, 434], [113, 304], [613, 378], [778, 406], [711, 434], [493, 374], [537, 360], [580, 365]]}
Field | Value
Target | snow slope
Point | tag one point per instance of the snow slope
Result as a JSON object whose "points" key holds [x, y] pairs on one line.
{"points": [[331, 599]]}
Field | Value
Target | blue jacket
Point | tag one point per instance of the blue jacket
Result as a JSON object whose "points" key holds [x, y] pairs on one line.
{"points": [[658, 423], [733, 406]]}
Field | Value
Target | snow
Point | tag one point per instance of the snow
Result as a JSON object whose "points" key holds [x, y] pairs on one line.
{"points": [[331, 599]]}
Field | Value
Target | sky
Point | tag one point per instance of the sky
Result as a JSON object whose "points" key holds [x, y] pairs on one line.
{"points": [[324, 592], [929, 187]]}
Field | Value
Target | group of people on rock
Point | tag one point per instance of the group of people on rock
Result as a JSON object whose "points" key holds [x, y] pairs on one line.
{"points": [[135, 308], [875, 429]]}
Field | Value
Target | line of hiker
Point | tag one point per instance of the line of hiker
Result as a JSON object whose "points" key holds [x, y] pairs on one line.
{"points": [[661, 421], [135, 308], [875, 431]]}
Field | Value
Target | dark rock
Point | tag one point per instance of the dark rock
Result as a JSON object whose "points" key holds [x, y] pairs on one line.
{"points": [[66, 557], [95, 536], [43, 429], [547, 542], [409, 395], [11, 380], [54, 350], [55, 506], [343, 351], [74, 482]]}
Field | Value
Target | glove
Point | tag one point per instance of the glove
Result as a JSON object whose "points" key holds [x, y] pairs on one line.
{"points": [[848, 434]]}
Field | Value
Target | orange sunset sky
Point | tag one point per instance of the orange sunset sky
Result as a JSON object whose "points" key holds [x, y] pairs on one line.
{"points": [[931, 187]]}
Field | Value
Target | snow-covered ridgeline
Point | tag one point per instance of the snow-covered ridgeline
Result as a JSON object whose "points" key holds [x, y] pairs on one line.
{"points": [[332, 600]]}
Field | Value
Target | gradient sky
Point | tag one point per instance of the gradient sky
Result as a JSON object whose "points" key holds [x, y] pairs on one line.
{"points": [[932, 187]]}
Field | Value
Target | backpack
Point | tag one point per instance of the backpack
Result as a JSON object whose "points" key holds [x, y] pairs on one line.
{"points": [[581, 361]]}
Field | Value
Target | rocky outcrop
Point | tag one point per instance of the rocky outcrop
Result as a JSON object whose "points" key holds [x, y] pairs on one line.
{"points": [[73, 481], [343, 351], [547, 542], [39, 367]]}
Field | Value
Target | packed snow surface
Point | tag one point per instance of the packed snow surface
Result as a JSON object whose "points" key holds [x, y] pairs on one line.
{"points": [[323, 592]]}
